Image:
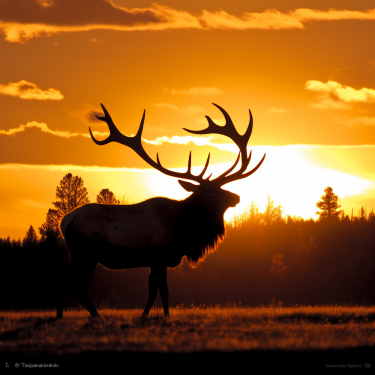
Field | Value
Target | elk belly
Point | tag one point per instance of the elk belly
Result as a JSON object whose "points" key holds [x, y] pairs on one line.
{"points": [[116, 257]]}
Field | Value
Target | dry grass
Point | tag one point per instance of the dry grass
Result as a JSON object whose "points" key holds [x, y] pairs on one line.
{"points": [[189, 330]]}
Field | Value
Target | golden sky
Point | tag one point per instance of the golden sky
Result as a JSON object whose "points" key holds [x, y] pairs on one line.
{"points": [[306, 69]]}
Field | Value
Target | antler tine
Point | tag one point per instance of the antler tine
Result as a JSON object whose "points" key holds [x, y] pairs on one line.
{"points": [[231, 168], [189, 164], [249, 129], [237, 176], [114, 134], [135, 143], [228, 129], [205, 168], [187, 175]]}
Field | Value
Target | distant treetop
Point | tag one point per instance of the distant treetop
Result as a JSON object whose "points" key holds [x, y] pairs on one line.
{"points": [[328, 205]]}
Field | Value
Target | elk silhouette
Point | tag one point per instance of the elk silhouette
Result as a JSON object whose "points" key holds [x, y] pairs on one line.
{"points": [[157, 232]]}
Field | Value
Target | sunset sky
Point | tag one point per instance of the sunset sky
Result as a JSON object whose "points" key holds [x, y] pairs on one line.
{"points": [[305, 69]]}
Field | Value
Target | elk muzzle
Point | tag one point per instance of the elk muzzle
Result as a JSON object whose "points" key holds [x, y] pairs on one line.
{"points": [[235, 199]]}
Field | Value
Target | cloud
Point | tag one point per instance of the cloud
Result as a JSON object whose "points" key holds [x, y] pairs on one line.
{"points": [[87, 115], [276, 110], [70, 167], [197, 91], [328, 103], [309, 15], [189, 110], [271, 19], [21, 20], [359, 121], [44, 128], [211, 140], [27, 90], [333, 95], [199, 141]]}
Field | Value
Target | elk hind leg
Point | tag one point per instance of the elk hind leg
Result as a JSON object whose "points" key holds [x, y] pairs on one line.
{"points": [[76, 279], [152, 290]]}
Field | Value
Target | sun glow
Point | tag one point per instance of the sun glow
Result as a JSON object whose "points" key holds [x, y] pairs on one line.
{"points": [[287, 174]]}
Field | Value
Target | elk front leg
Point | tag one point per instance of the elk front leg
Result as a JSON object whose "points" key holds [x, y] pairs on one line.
{"points": [[157, 279], [163, 289], [152, 290]]}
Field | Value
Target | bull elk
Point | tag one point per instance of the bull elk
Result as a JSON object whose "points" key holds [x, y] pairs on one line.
{"points": [[157, 232]]}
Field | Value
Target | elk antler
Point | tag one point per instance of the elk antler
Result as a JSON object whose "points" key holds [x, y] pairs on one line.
{"points": [[230, 131], [135, 143]]}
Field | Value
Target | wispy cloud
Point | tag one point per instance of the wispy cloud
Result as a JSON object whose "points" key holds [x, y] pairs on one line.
{"points": [[271, 19], [197, 91], [21, 20], [189, 110], [199, 141], [276, 110], [211, 140], [44, 128], [333, 95], [69, 167], [27, 90], [309, 15]]}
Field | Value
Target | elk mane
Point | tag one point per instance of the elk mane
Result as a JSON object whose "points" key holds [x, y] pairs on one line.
{"points": [[202, 233]]}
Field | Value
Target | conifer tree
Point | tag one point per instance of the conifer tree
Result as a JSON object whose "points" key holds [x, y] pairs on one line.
{"points": [[31, 239], [51, 226], [69, 194], [107, 196], [328, 206]]}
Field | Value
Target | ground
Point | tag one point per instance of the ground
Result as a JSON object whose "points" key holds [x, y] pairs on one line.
{"points": [[282, 337]]}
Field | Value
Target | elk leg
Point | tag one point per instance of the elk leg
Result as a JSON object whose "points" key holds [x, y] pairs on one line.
{"points": [[76, 278], [152, 290], [85, 276], [83, 295], [163, 289], [60, 302]]}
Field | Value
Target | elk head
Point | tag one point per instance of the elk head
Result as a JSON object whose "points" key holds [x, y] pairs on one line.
{"points": [[207, 192]]}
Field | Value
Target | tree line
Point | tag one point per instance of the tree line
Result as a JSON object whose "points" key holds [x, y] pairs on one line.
{"points": [[265, 257]]}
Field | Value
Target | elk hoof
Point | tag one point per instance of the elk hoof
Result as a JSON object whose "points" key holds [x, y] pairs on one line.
{"points": [[96, 319]]}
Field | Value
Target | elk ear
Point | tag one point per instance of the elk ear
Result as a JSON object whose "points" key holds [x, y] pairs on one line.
{"points": [[188, 186]]}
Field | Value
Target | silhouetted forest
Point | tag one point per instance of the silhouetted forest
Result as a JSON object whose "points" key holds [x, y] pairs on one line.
{"points": [[265, 258]]}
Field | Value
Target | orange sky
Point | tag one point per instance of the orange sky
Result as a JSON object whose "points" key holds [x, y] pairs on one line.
{"points": [[306, 69]]}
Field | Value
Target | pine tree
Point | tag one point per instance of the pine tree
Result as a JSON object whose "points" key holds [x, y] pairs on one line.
{"points": [[31, 239], [328, 205], [371, 216], [51, 226], [107, 196], [69, 194], [277, 268], [272, 214], [362, 214]]}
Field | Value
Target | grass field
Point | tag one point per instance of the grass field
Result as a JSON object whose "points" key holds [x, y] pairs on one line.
{"points": [[334, 331]]}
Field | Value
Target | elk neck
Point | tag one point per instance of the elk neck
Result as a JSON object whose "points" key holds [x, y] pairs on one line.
{"points": [[201, 228]]}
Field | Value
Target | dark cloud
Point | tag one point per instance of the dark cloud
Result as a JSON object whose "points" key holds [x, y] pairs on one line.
{"points": [[72, 13], [355, 76]]}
